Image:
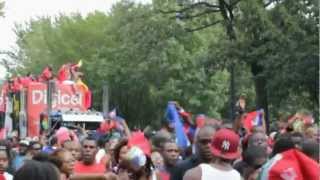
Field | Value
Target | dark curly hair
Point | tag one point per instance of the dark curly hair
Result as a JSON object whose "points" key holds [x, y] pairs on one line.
{"points": [[121, 143], [33, 169]]}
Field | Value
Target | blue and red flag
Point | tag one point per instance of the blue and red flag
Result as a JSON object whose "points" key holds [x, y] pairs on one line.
{"points": [[251, 119], [173, 116]]}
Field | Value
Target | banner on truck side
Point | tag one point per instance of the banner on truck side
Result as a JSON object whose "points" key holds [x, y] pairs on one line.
{"points": [[64, 97]]}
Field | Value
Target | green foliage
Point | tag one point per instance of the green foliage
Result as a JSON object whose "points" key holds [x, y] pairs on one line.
{"points": [[2, 4], [283, 42], [147, 58]]}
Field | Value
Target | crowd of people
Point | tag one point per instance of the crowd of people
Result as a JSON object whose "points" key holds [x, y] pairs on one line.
{"points": [[216, 150]]}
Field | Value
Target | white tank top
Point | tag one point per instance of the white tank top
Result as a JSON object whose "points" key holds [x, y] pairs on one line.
{"points": [[211, 173]]}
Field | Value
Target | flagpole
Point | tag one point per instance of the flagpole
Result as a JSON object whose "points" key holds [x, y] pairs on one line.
{"points": [[50, 90], [105, 99]]}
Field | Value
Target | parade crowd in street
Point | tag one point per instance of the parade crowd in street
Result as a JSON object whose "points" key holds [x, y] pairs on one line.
{"points": [[211, 150]]}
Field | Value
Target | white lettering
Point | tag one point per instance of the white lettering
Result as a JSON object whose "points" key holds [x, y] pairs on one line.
{"points": [[76, 99], [58, 99], [225, 145], [65, 99], [38, 97]]}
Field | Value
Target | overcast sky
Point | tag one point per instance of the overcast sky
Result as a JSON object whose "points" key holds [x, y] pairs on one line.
{"points": [[19, 11]]}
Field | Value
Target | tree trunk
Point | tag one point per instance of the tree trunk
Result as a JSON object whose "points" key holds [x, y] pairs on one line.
{"points": [[232, 94], [261, 91]]}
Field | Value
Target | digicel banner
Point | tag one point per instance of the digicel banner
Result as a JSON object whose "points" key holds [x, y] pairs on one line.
{"points": [[64, 97]]}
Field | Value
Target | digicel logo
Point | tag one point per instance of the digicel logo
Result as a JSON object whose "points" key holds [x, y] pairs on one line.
{"points": [[59, 99]]}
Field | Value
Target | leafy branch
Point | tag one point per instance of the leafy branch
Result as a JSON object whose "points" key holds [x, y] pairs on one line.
{"points": [[189, 12]]}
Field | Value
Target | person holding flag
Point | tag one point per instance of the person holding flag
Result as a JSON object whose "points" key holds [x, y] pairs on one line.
{"points": [[246, 121], [173, 117], [289, 163]]}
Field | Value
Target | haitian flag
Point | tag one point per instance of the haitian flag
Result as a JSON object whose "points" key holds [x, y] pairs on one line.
{"points": [[251, 119], [172, 116], [290, 165]]}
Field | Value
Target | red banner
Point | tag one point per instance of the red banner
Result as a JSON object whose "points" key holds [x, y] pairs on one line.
{"points": [[3, 97], [2, 102], [64, 97]]}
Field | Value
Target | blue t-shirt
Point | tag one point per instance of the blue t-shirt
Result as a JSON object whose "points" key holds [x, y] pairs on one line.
{"points": [[18, 162]]}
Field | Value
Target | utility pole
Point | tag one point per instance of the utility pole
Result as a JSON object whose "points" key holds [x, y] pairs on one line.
{"points": [[50, 91], [105, 99]]}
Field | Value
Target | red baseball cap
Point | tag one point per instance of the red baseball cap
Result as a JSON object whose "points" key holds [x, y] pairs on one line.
{"points": [[225, 144]]}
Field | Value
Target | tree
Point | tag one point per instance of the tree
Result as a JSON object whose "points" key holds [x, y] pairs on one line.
{"points": [[2, 4], [281, 44], [255, 33], [146, 59], [211, 13]]}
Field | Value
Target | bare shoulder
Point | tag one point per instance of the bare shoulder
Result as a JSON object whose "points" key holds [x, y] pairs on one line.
{"points": [[193, 174]]}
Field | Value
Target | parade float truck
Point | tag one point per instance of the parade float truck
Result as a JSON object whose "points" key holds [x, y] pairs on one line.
{"points": [[34, 105]]}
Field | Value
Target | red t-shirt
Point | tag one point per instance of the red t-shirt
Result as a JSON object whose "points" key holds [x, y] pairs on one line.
{"points": [[95, 168], [164, 175]]}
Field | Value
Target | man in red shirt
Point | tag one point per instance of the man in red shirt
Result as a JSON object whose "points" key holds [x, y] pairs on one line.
{"points": [[88, 164]]}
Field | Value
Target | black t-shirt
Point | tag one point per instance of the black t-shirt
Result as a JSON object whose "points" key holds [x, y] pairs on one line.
{"points": [[182, 167], [240, 166]]}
